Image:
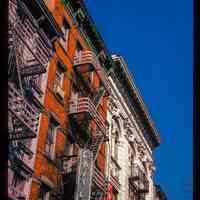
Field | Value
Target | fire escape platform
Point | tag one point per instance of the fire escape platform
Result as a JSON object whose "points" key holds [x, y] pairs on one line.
{"points": [[23, 113], [99, 179], [85, 105], [33, 37], [139, 180], [88, 57]]}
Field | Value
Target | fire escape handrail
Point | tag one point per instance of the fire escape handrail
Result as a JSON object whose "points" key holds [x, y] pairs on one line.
{"points": [[28, 30], [99, 178], [84, 104], [21, 108], [139, 177], [114, 174], [86, 57]]}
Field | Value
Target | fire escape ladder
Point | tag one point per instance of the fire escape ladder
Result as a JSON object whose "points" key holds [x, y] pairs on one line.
{"points": [[97, 98], [95, 145], [23, 116], [88, 57], [36, 46], [100, 181], [18, 64]]}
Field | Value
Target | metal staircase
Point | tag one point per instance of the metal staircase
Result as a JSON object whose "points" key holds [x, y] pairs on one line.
{"points": [[90, 59], [98, 177], [91, 182], [139, 182], [95, 144], [97, 98], [29, 53]]}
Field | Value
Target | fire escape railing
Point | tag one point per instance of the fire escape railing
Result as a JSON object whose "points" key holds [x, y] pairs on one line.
{"points": [[114, 175], [88, 57], [24, 115], [99, 179], [138, 179], [30, 29], [85, 105]]}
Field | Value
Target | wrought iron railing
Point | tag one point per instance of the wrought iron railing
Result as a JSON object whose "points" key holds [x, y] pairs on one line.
{"points": [[85, 105], [88, 57], [114, 175], [138, 179], [27, 30], [23, 111], [99, 179]]}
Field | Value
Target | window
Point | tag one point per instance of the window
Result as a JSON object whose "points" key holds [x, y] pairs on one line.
{"points": [[64, 40], [61, 68], [59, 76], [78, 49], [50, 140]]}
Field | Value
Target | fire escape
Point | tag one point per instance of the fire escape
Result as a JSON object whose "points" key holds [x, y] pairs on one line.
{"points": [[30, 50], [138, 182], [90, 128]]}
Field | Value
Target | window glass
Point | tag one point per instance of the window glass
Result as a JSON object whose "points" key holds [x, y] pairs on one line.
{"points": [[78, 49], [59, 76], [49, 147], [65, 39]]}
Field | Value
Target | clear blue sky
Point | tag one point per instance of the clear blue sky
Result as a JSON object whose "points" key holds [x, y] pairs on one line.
{"points": [[155, 38]]}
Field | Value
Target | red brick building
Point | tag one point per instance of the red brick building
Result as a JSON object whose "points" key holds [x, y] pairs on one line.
{"points": [[65, 83], [58, 103]]}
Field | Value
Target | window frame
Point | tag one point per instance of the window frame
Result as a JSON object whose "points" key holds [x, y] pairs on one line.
{"points": [[64, 41], [59, 75], [79, 49], [51, 139]]}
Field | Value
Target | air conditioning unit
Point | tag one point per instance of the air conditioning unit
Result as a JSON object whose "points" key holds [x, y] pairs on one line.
{"points": [[59, 92]]}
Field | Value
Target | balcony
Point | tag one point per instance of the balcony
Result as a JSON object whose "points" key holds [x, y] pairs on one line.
{"points": [[138, 179], [88, 57], [85, 105], [37, 48], [24, 119]]}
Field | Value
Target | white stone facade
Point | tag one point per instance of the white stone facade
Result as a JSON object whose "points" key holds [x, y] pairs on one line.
{"points": [[126, 138]]}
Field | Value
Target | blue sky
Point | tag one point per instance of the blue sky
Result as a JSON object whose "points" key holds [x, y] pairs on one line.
{"points": [[155, 38]]}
